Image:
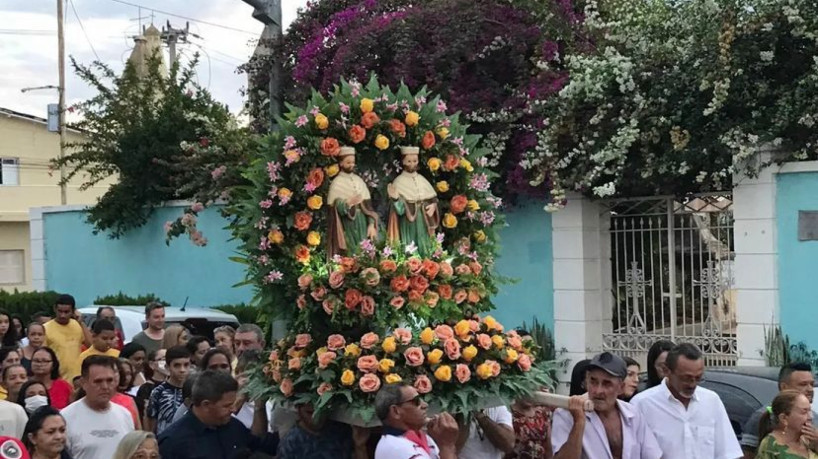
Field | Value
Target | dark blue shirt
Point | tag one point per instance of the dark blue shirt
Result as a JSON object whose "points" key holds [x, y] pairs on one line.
{"points": [[189, 438], [334, 442]]}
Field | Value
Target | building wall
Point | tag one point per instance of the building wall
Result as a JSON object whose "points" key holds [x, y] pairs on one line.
{"points": [[15, 236], [797, 260]]}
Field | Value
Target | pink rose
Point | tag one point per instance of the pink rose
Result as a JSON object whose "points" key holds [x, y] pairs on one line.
{"points": [[273, 356], [277, 375], [368, 340], [302, 340], [336, 279], [304, 281], [403, 335], [463, 269], [423, 384], [414, 356], [462, 373], [524, 362], [326, 358], [286, 387], [446, 269], [397, 302], [367, 305], [294, 364], [368, 364], [460, 296], [495, 367], [444, 332], [371, 277], [515, 341], [476, 268], [452, 348], [324, 387], [414, 265], [370, 383], [301, 301], [335, 342], [319, 293], [432, 299], [474, 325], [484, 341], [328, 305]]}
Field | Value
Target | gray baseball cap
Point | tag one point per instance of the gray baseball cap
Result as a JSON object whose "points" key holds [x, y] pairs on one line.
{"points": [[610, 363]]}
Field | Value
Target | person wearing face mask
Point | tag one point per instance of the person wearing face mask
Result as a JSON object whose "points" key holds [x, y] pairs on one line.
{"points": [[45, 435], [33, 395]]}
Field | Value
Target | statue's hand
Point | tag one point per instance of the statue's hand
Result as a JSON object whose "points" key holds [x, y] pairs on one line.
{"points": [[392, 191], [371, 232], [355, 200], [430, 209]]}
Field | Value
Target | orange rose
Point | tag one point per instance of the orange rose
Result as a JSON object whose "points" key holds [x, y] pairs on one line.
{"points": [[444, 332], [399, 284], [403, 335], [316, 177], [524, 362], [328, 305], [484, 341], [352, 298], [368, 340], [474, 296], [326, 358], [423, 384], [367, 305], [458, 204], [304, 281], [451, 163], [430, 268], [370, 383], [286, 387], [432, 299], [397, 127], [414, 356], [462, 373], [369, 120], [348, 264], [460, 296], [414, 265], [418, 283], [368, 364], [330, 147], [452, 348], [335, 342], [388, 266], [357, 134], [476, 268], [446, 269], [462, 269], [294, 363], [397, 302], [445, 291], [428, 140], [302, 254], [302, 220], [336, 279]]}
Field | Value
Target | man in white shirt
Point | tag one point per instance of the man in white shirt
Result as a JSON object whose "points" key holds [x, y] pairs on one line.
{"points": [[490, 434], [689, 422], [94, 424], [13, 419]]}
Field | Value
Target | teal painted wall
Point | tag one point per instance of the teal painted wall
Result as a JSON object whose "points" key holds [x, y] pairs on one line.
{"points": [[526, 255], [85, 265], [797, 260]]}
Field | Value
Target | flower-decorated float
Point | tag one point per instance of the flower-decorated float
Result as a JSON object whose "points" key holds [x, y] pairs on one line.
{"points": [[371, 230]]}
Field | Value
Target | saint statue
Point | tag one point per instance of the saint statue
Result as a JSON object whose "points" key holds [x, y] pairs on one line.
{"points": [[414, 215], [351, 217]]}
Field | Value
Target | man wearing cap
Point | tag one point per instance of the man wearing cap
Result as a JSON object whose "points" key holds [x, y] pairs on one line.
{"points": [[351, 217], [613, 430], [414, 215]]}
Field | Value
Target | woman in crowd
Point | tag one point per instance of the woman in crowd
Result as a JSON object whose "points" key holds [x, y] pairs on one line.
{"points": [[781, 427], [217, 359], [14, 377], [632, 380], [9, 356], [578, 377], [8, 335], [135, 353], [657, 354], [126, 376], [36, 340], [17, 323], [44, 436], [155, 374], [175, 335], [225, 339], [198, 347], [532, 427], [45, 368], [33, 395], [137, 445], [121, 397]]}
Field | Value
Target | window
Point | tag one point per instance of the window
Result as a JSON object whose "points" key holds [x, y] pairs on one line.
{"points": [[12, 269], [9, 171]]}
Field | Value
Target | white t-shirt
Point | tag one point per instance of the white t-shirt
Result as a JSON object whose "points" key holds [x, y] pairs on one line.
{"points": [[93, 434], [398, 447], [13, 419], [482, 448]]}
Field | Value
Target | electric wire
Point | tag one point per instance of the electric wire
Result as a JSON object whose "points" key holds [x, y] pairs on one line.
{"points": [[74, 9]]}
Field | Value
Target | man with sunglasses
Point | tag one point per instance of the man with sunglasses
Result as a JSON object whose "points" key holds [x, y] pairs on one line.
{"points": [[403, 415]]}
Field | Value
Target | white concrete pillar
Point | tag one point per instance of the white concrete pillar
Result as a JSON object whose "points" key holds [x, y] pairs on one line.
{"points": [[582, 281], [37, 236]]}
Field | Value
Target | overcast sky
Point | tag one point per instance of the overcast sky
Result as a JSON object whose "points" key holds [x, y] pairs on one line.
{"points": [[28, 44]]}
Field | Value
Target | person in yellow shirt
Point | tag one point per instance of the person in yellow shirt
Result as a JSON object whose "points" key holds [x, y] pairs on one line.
{"points": [[102, 343], [66, 334]]}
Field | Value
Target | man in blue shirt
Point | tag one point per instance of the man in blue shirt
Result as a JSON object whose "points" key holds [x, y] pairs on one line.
{"points": [[209, 431], [313, 438]]}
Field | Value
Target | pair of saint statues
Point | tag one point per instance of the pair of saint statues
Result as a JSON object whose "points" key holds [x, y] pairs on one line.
{"points": [[414, 215]]}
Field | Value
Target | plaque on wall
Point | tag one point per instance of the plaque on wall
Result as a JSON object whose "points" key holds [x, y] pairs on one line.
{"points": [[808, 225]]}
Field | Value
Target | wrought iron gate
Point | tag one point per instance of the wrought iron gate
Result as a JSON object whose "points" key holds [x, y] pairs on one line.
{"points": [[672, 265]]}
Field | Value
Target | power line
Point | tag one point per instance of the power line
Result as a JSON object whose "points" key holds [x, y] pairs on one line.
{"points": [[27, 32], [187, 18], [76, 15]]}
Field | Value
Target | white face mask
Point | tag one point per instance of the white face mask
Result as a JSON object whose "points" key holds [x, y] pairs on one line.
{"points": [[161, 366], [34, 402]]}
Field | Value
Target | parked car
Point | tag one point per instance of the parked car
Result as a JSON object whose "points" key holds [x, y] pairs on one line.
{"points": [[131, 319]]}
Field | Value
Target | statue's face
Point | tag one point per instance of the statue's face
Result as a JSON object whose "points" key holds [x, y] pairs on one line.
{"points": [[410, 163], [347, 164]]}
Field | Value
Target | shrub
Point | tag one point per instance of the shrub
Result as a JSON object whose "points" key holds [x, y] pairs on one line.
{"points": [[25, 304], [121, 299]]}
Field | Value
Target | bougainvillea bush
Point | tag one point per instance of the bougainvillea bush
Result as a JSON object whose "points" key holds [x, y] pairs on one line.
{"points": [[380, 288]]}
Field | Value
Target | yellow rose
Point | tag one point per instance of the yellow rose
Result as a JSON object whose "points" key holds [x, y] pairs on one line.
{"points": [[443, 132], [321, 351], [469, 352], [389, 345], [284, 193], [427, 336], [498, 341], [348, 378], [332, 170], [462, 328], [511, 356], [434, 164], [412, 119], [381, 142], [386, 365], [484, 371], [315, 202], [442, 186], [434, 356], [490, 322], [465, 164], [352, 350], [313, 238], [292, 156], [275, 236], [449, 220], [392, 378], [321, 121], [480, 236], [473, 205], [443, 373], [367, 105]]}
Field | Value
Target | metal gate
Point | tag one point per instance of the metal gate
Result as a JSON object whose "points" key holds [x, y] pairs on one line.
{"points": [[672, 264]]}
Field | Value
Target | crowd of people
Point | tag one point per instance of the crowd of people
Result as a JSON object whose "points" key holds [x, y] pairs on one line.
{"points": [[70, 391]]}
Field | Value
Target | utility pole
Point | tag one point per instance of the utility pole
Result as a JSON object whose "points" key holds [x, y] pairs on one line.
{"points": [[173, 36], [269, 13], [61, 104]]}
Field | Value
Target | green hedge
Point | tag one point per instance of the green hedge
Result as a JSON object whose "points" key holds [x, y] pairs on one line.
{"points": [[121, 299], [25, 304], [245, 314]]}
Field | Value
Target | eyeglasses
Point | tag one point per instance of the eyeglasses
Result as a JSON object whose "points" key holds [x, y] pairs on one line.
{"points": [[219, 367], [416, 400], [41, 361]]}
